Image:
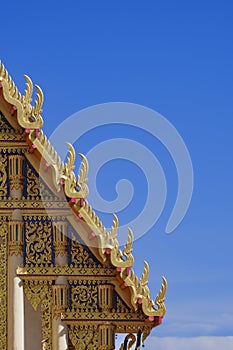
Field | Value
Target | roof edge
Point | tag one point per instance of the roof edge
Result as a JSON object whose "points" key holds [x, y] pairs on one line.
{"points": [[76, 191]]}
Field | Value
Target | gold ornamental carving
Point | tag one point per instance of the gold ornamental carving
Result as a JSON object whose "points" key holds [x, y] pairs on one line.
{"points": [[140, 293], [72, 271], [60, 298], [3, 283], [38, 242], [5, 127], [46, 312], [80, 256], [84, 295], [3, 175], [84, 337], [16, 171], [107, 336], [36, 189], [125, 258], [15, 241], [60, 237], [35, 291], [28, 116], [39, 292], [33, 187], [92, 279], [75, 187]]}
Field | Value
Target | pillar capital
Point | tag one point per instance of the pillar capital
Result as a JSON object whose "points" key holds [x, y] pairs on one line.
{"points": [[60, 237], [16, 172], [60, 298], [15, 239], [107, 336]]}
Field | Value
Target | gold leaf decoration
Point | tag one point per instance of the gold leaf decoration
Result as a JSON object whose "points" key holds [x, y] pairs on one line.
{"points": [[80, 256], [75, 188], [28, 116], [3, 283], [38, 242], [84, 296], [84, 337], [124, 259], [3, 175], [34, 291], [46, 315]]}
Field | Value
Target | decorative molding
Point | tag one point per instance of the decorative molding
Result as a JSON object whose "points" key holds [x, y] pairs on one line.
{"points": [[15, 168], [60, 298], [3, 283], [15, 237], [3, 175], [84, 337], [38, 270], [34, 291], [46, 312], [76, 316], [60, 238]]}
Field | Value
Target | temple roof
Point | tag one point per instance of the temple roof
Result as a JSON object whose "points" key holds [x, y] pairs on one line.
{"points": [[60, 177]]}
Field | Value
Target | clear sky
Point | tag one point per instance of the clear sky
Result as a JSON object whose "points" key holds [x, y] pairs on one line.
{"points": [[174, 57]]}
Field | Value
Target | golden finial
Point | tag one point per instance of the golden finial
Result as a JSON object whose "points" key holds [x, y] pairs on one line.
{"points": [[37, 108], [70, 159], [160, 299], [28, 116], [28, 90], [129, 244], [82, 177], [144, 278]]}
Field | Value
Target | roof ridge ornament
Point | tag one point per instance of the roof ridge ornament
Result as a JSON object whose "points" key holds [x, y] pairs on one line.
{"points": [[28, 116], [140, 293], [73, 187]]}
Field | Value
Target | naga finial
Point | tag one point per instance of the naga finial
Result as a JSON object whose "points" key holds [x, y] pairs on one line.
{"points": [[75, 188]]}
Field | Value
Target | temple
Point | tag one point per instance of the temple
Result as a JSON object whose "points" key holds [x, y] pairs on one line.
{"points": [[64, 282]]}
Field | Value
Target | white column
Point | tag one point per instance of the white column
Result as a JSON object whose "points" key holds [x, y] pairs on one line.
{"points": [[61, 335], [18, 314], [60, 330], [15, 258], [15, 285], [15, 305]]}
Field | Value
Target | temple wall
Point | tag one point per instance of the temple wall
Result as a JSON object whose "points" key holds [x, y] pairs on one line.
{"points": [[32, 327]]}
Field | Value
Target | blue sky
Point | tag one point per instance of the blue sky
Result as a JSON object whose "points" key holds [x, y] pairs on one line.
{"points": [[174, 57]]}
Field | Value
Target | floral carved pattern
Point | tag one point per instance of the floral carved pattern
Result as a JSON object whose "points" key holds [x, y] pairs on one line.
{"points": [[38, 242], [84, 337], [3, 175], [46, 320], [36, 189], [80, 256], [84, 296], [3, 284]]}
